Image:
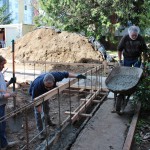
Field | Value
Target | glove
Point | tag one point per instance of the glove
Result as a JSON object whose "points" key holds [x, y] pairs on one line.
{"points": [[120, 63], [12, 80], [80, 76]]}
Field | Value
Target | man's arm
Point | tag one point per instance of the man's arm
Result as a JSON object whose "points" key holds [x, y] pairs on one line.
{"points": [[72, 75], [59, 76], [119, 56], [35, 93]]}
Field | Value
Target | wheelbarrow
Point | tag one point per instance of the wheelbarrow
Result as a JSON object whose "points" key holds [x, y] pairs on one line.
{"points": [[122, 81]]}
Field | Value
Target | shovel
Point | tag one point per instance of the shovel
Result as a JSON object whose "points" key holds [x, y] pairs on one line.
{"points": [[14, 122]]}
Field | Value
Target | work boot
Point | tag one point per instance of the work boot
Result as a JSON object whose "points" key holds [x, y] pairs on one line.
{"points": [[121, 112], [50, 123], [113, 110]]}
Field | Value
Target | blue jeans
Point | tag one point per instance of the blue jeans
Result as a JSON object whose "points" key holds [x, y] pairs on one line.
{"points": [[3, 140], [40, 117], [130, 63]]}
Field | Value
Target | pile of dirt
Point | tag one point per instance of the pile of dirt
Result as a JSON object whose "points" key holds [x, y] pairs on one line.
{"points": [[47, 44]]}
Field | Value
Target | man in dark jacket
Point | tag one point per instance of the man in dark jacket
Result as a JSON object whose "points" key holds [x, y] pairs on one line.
{"points": [[131, 46], [41, 85]]}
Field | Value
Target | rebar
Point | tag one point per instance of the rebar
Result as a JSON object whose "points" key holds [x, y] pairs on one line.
{"points": [[27, 129]]}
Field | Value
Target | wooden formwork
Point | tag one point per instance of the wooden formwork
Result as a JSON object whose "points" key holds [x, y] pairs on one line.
{"points": [[79, 112], [72, 86], [86, 103]]}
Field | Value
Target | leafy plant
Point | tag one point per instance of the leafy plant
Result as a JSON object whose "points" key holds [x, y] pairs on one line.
{"points": [[140, 126], [5, 18], [143, 90], [97, 18]]}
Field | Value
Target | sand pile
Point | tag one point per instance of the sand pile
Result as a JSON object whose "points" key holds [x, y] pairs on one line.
{"points": [[46, 44]]}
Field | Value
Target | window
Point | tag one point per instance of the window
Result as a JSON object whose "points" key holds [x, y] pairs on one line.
{"points": [[25, 7]]}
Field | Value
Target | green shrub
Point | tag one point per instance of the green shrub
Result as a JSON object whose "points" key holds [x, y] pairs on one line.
{"points": [[143, 90]]}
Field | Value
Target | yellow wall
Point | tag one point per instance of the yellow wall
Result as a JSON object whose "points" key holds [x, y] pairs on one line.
{"points": [[27, 28]]}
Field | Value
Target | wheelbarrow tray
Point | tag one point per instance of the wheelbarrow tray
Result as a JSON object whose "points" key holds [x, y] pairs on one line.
{"points": [[123, 79]]}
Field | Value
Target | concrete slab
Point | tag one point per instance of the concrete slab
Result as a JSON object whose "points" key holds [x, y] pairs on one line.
{"points": [[105, 130]]}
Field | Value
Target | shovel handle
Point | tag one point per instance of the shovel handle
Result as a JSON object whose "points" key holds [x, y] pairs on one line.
{"points": [[13, 67]]}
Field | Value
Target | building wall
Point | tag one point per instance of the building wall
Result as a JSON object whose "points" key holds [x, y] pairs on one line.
{"points": [[14, 32], [21, 10], [27, 28], [14, 10], [28, 12]]}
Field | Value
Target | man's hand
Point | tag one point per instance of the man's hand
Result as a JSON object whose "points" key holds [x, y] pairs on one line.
{"points": [[39, 108], [80, 76]]}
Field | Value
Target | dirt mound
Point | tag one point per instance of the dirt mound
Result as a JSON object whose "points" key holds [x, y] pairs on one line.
{"points": [[46, 44]]}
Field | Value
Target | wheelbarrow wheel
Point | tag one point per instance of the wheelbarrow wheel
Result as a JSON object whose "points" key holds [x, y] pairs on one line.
{"points": [[119, 101]]}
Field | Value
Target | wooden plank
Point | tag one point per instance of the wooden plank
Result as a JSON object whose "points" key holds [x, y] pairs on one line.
{"points": [[86, 104], [82, 114], [76, 91], [85, 115], [60, 63], [129, 138], [89, 87], [82, 103], [64, 63], [96, 101], [70, 113], [81, 90], [65, 122]]}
